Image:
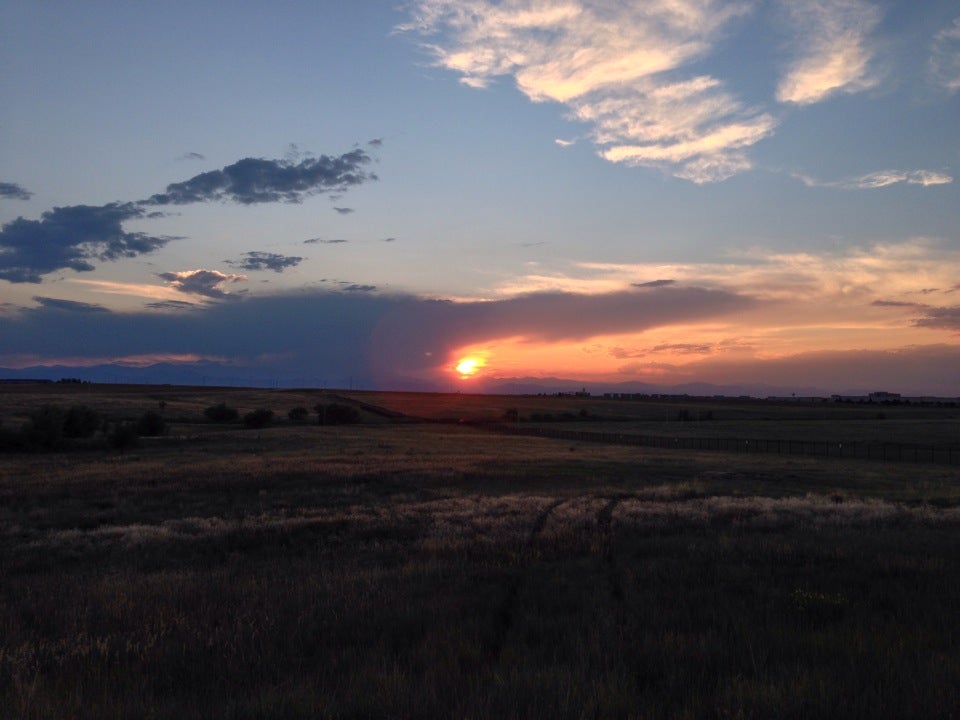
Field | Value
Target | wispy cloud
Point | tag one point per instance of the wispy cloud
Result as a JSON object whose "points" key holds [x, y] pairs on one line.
{"points": [[174, 305], [255, 180], [617, 67], [13, 191], [831, 281], [343, 210], [266, 261], [206, 283], [833, 49], [945, 57], [654, 283], [322, 241], [881, 179], [941, 318], [69, 238]]}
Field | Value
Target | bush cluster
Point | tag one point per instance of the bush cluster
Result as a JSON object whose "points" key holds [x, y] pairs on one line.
{"points": [[259, 418], [50, 427], [336, 414], [221, 413]]}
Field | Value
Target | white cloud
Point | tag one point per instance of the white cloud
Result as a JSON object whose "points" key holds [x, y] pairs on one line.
{"points": [[206, 283], [834, 51], [615, 66], [945, 57], [881, 179]]}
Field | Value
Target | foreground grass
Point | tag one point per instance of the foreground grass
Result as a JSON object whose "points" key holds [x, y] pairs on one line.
{"points": [[440, 571]]}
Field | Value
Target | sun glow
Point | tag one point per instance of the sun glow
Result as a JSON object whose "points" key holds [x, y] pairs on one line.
{"points": [[469, 366]]}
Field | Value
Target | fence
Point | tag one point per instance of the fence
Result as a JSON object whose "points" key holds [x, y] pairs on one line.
{"points": [[883, 451]]}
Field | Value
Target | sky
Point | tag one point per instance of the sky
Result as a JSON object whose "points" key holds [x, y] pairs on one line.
{"points": [[748, 193]]}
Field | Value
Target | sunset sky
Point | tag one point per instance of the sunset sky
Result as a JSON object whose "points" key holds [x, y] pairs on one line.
{"points": [[744, 193]]}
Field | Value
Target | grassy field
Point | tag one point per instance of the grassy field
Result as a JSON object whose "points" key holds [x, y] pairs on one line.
{"points": [[441, 570]]}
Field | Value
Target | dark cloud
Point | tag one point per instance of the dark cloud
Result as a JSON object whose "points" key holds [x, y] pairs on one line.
{"points": [[943, 318], [896, 304], [655, 284], [344, 210], [68, 305], [321, 241], [356, 330], [193, 156], [208, 283], [70, 237], [376, 142], [383, 341], [255, 180], [421, 330], [14, 191], [389, 239], [171, 305], [266, 261]]}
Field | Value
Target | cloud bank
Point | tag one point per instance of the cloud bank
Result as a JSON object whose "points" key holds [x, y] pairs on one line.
{"points": [[397, 341]]}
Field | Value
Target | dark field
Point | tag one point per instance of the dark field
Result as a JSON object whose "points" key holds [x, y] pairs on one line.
{"points": [[421, 570]]}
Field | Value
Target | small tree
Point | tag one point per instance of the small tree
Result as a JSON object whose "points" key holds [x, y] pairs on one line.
{"points": [[221, 413], [44, 428], [298, 414], [337, 414], [123, 436], [259, 418], [151, 424], [80, 421]]}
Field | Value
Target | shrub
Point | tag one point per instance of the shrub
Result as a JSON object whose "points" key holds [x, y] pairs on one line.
{"points": [[123, 436], [337, 414], [150, 424], [44, 428], [298, 414], [221, 413], [80, 421], [259, 418]]}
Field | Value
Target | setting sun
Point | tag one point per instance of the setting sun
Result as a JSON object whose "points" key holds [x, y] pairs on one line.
{"points": [[468, 366]]}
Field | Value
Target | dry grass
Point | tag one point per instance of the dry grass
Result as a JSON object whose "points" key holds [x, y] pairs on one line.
{"points": [[439, 570]]}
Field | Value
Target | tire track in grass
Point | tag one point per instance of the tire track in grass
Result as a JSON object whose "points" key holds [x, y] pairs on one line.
{"points": [[506, 613], [607, 553]]}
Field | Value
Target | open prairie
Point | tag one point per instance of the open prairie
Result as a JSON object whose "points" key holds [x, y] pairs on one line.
{"points": [[394, 568]]}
